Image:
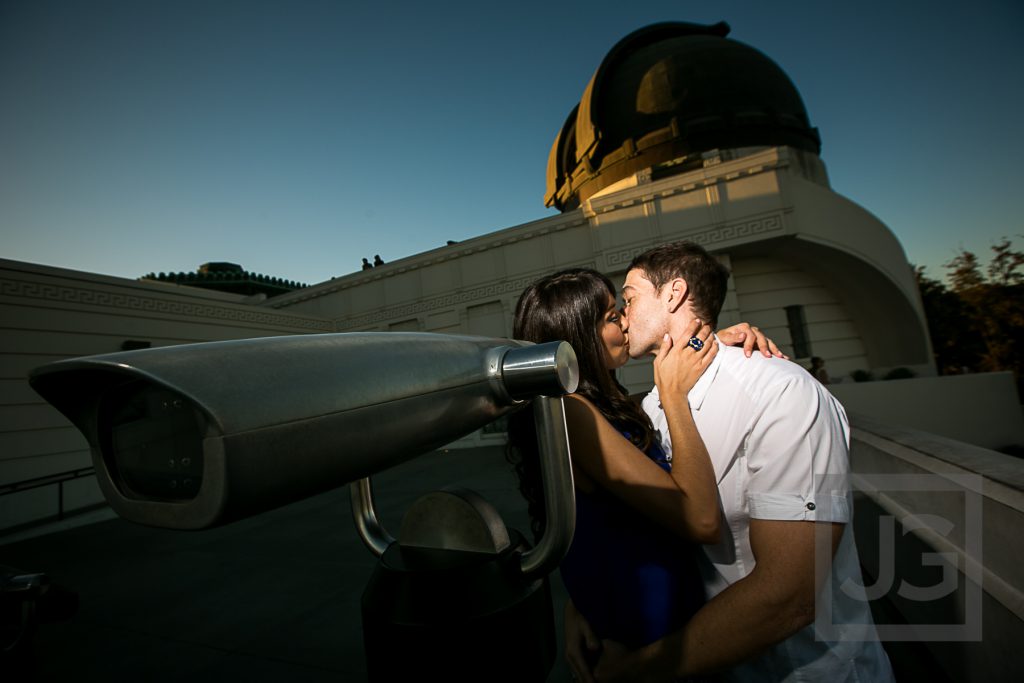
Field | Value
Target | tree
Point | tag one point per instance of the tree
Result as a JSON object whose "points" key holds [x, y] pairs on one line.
{"points": [[957, 345], [977, 323], [1003, 268], [966, 274]]}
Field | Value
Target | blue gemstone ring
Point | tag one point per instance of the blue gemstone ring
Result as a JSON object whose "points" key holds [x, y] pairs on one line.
{"points": [[695, 344]]}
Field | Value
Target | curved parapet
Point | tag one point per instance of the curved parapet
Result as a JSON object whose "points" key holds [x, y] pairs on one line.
{"points": [[860, 256]]}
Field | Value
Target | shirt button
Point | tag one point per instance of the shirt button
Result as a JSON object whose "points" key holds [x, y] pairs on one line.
{"points": [[810, 506]]}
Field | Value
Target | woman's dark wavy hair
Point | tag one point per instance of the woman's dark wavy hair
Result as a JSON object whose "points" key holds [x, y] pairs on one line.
{"points": [[569, 305]]}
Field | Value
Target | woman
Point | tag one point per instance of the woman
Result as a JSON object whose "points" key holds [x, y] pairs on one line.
{"points": [[630, 581]]}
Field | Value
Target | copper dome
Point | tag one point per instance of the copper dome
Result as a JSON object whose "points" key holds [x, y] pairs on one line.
{"points": [[666, 91]]}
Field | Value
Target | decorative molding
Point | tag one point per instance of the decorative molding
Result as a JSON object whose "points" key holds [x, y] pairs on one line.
{"points": [[452, 252], [739, 229], [666, 187], [90, 297], [706, 238], [623, 257]]}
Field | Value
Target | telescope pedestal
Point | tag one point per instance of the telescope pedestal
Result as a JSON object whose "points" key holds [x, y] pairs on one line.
{"points": [[457, 616]]}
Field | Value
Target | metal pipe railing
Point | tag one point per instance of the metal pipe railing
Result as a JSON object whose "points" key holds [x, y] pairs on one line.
{"points": [[57, 480]]}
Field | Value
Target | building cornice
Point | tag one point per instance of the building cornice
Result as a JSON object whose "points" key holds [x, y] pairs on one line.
{"points": [[763, 161], [112, 294], [459, 250]]}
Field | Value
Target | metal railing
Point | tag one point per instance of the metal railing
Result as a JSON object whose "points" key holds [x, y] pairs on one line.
{"points": [[57, 479]]}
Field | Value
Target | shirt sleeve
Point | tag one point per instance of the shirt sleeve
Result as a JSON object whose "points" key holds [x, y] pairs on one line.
{"points": [[798, 455], [652, 406]]}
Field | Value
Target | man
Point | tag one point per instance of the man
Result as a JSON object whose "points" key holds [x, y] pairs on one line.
{"points": [[779, 444]]}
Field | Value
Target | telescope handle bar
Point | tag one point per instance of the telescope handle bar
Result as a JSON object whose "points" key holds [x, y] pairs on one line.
{"points": [[559, 496], [371, 531], [559, 492]]}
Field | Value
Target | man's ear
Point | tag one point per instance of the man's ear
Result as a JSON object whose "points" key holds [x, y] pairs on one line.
{"points": [[677, 293]]}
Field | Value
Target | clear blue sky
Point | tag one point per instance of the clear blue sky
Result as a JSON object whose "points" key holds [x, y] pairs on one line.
{"points": [[295, 137]]}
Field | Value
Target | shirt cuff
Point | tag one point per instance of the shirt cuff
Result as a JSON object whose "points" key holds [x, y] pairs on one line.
{"points": [[799, 507]]}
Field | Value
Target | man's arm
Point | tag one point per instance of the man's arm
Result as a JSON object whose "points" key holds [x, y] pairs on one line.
{"points": [[767, 606]]}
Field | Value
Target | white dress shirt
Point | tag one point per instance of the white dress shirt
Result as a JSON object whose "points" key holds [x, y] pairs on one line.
{"points": [[779, 443]]}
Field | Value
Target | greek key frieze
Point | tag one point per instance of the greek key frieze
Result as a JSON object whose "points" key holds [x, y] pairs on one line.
{"points": [[488, 291], [731, 231], [91, 297], [706, 238], [620, 258]]}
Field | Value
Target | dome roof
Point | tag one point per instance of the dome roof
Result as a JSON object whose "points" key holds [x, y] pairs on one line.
{"points": [[666, 91]]}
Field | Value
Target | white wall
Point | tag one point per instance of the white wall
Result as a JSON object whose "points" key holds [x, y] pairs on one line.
{"points": [[981, 409], [937, 526]]}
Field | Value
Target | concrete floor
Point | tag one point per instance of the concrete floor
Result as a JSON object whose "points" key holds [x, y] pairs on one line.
{"points": [[275, 597]]}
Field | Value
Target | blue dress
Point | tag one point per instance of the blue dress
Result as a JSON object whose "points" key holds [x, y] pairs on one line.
{"points": [[630, 578]]}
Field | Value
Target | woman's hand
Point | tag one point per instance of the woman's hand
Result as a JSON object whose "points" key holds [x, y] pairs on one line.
{"points": [[678, 366], [750, 338], [581, 644]]}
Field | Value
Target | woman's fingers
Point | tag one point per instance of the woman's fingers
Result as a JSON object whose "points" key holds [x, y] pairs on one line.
{"points": [[695, 329], [702, 333], [710, 350]]}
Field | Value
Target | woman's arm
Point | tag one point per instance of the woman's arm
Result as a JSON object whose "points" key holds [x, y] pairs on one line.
{"points": [[677, 367], [685, 501], [603, 459]]}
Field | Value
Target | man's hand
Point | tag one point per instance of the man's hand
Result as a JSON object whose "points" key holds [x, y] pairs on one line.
{"points": [[581, 644], [752, 338]]}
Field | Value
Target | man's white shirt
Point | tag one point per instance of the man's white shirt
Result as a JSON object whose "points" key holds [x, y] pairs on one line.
{"points": [[779, 443]]}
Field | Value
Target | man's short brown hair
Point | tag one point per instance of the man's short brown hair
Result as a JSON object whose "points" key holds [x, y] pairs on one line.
{"points": [[706, 278]]}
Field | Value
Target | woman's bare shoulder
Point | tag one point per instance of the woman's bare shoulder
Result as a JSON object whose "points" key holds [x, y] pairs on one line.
{"points": [[580, 406]]}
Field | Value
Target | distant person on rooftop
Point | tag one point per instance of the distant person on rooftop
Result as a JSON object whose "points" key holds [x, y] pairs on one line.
{"points": [[818, 369], [378, 261], [366, 264]]}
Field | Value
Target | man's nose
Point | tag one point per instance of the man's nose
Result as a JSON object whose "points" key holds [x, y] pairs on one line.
{"points": [[624, 321]]}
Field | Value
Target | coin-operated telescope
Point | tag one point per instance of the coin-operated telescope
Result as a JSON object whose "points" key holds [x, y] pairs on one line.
{"points": [[192, 436]]}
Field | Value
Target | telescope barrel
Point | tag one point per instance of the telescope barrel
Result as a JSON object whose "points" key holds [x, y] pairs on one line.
{"points": [[196, 435]]}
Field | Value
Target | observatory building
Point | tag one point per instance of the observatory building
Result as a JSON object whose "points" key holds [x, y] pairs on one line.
{"points": [[681, 133]]}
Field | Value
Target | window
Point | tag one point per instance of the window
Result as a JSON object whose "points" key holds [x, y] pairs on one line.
{"points": [[412, 325], [798, 331], [486, 320]]}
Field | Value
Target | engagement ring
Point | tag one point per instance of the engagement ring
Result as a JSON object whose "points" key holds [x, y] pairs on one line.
{"points": [[695, 344]]}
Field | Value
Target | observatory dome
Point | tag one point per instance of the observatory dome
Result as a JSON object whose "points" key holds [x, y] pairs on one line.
{"points": [[667, 91]]}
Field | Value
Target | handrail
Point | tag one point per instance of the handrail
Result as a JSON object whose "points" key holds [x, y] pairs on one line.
{"points": [[57, 479], [36, 482]]}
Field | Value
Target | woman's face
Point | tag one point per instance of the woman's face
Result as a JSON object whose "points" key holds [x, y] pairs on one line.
{"points": [[613, 335]]}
